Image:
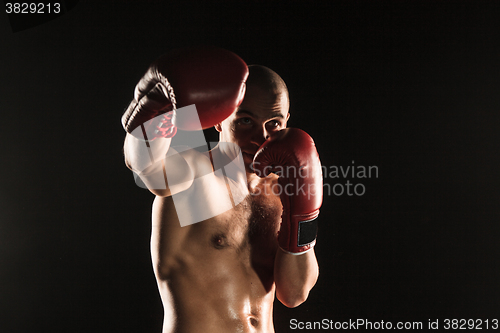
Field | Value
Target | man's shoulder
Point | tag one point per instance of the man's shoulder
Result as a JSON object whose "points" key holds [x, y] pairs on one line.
{"points": [[198, 162]]}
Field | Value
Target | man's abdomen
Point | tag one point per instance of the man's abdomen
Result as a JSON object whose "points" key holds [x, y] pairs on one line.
{"points": [[213, 275]]}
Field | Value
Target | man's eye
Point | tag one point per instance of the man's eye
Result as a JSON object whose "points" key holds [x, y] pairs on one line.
{"points": [[274, 123], [245, 121]]}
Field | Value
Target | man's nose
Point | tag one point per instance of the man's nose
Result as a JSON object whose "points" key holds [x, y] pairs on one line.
{"points": [[259, 136]]}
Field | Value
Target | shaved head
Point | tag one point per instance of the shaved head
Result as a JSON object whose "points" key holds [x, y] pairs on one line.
{"points": [[265, 79], [263, 111]]}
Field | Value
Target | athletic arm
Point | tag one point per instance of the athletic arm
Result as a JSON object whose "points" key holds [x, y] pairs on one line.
{"points": [[189, 89], [295, 267], [295, 276], [160, 167]]}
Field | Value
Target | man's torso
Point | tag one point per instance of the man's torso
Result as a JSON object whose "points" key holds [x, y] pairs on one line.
{"points": [[217, 275]]}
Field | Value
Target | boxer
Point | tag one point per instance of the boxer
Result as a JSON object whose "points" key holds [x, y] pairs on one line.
{"points": [[222, 274]]}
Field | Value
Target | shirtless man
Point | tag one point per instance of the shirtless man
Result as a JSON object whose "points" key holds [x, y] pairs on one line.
{"points": [[222, 274]]}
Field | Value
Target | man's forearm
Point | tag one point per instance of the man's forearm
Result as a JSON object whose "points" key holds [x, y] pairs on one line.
{"points": [[145, 159], [155, 162], [141, 154], [295, 275]]}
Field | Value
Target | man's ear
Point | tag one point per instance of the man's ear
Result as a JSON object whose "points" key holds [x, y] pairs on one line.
{"points": [[287, 117], [218, 127]]}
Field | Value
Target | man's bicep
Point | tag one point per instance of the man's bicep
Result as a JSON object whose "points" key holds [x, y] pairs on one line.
{"points": [[172, 174]]}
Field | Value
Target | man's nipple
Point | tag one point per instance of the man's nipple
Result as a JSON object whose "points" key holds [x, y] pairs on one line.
{"points": [[219, 241]]}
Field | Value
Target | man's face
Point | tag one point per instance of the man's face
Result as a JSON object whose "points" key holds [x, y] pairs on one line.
{"points": [[261, 114]]}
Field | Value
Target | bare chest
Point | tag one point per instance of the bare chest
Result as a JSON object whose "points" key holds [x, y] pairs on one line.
{"points": [[250, 226]]}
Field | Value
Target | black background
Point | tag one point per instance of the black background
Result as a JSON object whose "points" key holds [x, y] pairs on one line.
{"points": [[411, 87]]}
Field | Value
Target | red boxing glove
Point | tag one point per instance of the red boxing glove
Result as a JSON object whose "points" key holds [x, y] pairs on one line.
{"points": [[211, 78], [292, 155]]}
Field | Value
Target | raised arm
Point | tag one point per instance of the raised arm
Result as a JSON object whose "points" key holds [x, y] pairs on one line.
{"points": [[295, 275], [189, 89], [292, 155]]}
